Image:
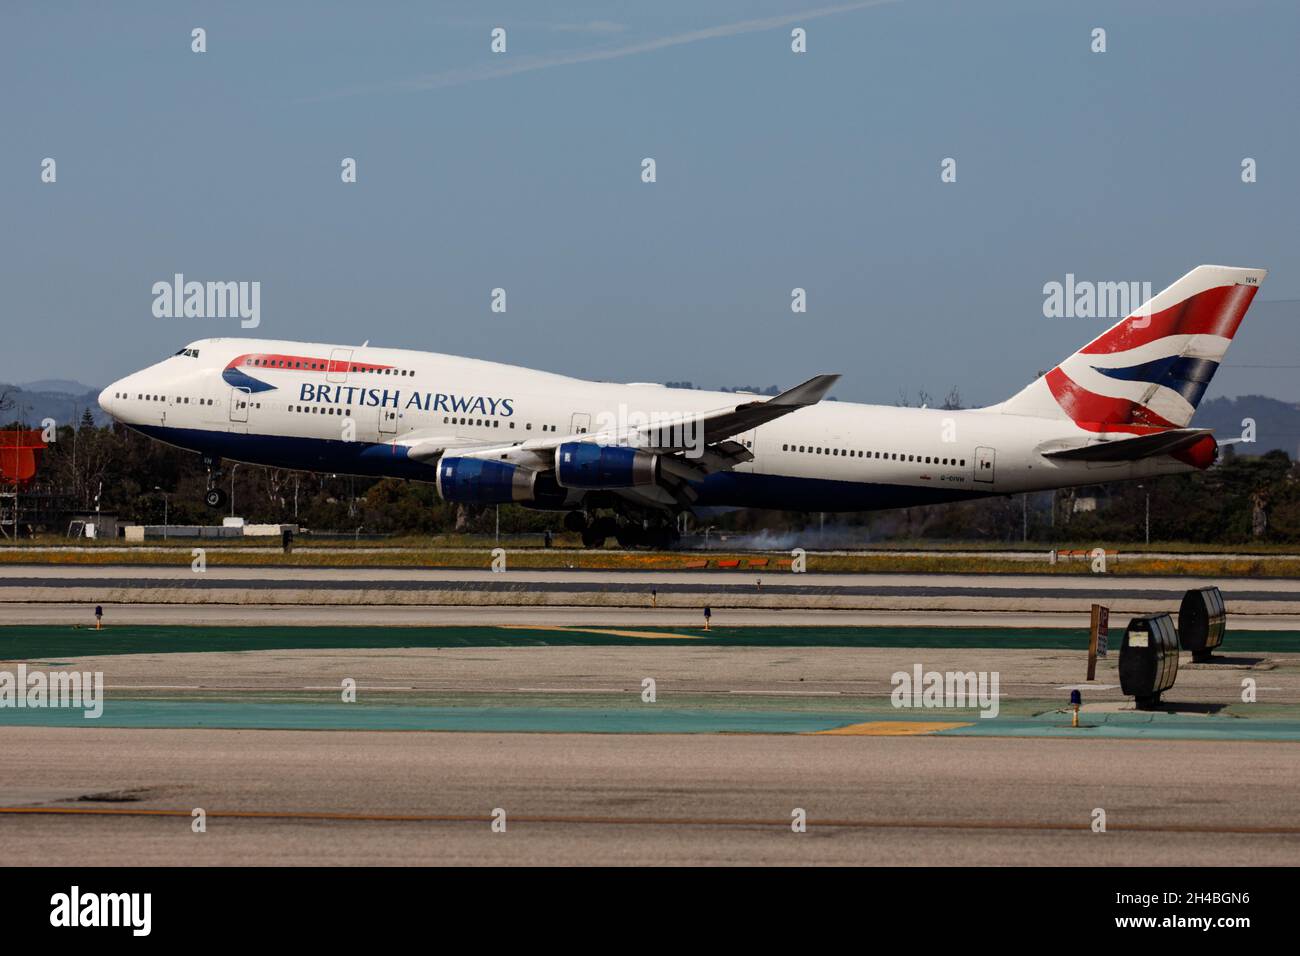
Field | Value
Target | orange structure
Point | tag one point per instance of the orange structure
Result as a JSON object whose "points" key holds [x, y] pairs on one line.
{"points": [[20, 455]]}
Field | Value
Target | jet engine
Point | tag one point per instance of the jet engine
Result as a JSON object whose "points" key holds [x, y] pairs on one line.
{"points": [[588, 465], [479, 481]]}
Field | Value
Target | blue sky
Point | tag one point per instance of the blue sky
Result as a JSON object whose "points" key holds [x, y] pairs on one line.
{"points": [[522, 170]]}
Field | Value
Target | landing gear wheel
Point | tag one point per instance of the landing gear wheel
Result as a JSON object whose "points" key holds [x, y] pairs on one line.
{"points": [[598, 531], [662, 538], [629, 535], [215, 498]]}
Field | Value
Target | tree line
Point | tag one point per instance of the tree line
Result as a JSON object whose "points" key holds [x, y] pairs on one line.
{"points": [[1243, 499]]}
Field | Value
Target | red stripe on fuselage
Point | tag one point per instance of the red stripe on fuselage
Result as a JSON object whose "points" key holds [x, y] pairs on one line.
{"points": [[301, 363], [1216, 311]]}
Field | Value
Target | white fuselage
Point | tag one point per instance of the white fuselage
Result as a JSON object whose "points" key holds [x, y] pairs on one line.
{"points": [[338, 408]]}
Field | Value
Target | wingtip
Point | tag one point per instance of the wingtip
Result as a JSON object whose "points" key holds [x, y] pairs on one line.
{"points": [[810, 392]]}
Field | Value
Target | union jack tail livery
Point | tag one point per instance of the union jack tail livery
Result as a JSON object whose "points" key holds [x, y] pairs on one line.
{"points": [[1147, 373]]}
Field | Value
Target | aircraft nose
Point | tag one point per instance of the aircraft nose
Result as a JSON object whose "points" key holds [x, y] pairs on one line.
{"points": [[106, 398]]}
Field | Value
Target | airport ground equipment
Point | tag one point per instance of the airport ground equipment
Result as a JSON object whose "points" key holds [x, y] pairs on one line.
{"points": [[1148, 658], [1202, 619]]}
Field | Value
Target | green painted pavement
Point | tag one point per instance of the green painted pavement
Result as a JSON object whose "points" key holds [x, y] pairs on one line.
{"points": [[339, 716], [20, 642], [1131, 724], [648, 719]]}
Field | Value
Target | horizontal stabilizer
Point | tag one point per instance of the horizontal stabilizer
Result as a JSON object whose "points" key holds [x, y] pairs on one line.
{"points": [[1133, 449]]}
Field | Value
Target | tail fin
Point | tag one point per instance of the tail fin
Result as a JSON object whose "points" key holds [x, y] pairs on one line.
{"points": [[1149, 371]]}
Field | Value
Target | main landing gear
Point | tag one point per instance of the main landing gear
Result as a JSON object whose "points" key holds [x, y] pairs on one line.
{"points": [[628, 533]]}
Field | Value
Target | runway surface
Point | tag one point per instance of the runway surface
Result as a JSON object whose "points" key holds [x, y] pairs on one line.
{"points": [[539, 711], [406, 615], [534, 543], [631, 793], [115, 797], [338, 577], [377, 587]]}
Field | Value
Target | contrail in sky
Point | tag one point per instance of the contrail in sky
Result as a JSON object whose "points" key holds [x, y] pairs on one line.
{"points": [[528, 64]]}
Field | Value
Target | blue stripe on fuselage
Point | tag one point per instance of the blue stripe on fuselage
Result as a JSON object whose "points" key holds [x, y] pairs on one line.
{"points": [[726, 489], [237, 379], [370, 459]]}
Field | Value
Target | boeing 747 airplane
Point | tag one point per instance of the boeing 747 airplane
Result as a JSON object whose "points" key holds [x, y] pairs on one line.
{"points": [[624, 460]]}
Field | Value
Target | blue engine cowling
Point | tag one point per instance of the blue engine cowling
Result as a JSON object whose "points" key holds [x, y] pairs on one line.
{"points": [[478, 481], [581, 464]]}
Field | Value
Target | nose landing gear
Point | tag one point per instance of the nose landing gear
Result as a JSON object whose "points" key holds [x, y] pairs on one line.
{"points": [[214, 497]]}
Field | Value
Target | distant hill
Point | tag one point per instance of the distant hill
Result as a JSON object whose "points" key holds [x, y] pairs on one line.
{"points": [[752, 389], [57, 385], [30, 405], [1277, 424]]}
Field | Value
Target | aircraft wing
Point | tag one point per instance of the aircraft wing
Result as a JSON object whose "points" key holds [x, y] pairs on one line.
{"points": [[732, 420], [699, 442], [427, 445]]}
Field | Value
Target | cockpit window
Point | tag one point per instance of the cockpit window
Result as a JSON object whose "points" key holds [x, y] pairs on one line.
{"points": [[192, 353]]}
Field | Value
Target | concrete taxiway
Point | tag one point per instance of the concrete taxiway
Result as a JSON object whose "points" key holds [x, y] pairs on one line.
{"points": [[115, 797]]}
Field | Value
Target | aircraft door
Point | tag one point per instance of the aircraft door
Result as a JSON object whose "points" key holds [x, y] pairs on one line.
{"points": [[240, 399], [340, 361], [750, 440], [984, 460], [387, 420], [581, 423]]}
